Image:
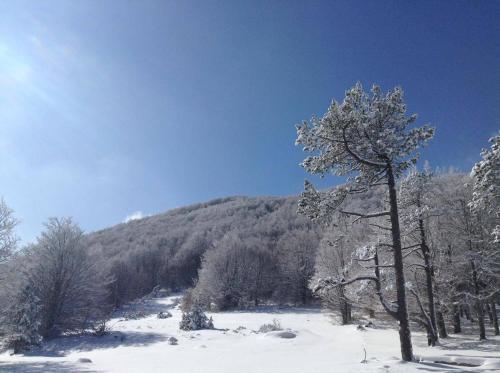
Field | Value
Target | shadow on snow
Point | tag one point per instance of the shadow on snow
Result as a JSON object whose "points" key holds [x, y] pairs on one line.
{"points": [[43, 367], [61, 346]]}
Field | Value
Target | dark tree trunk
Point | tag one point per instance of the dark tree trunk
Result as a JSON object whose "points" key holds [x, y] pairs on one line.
{"points": [[345, 308], [468, 315], [495, 317], [346, 319], [490, 314], [480, 319], [457, 327], [441, 325], [402, 314]]}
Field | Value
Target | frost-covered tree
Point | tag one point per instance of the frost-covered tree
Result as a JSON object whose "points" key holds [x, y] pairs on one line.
{"points": [[237, 272], [475, 257], [367, 139], [24, 320], [416, 209], [8, 222], [295, 261], [334, 259], [70, 286], [486, 189]]}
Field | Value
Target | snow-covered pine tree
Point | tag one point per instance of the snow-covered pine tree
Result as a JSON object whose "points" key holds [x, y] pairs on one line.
{"points": [[195, 319], [24, 320], [365, 138]]}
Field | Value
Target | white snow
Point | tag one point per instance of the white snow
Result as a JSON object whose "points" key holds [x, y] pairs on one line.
{"points": [[318, 345]]}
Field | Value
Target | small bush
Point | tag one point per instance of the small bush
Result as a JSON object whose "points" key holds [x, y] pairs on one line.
{"points": [[195, 319], [134, 315], [101, 329], [275, 326], [164, 315]]}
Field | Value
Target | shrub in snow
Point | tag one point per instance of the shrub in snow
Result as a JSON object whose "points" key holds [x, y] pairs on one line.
{"points": [[275, 326], [134, 315], [164, 315], [172, 341], [101, 329], [195, 319]]}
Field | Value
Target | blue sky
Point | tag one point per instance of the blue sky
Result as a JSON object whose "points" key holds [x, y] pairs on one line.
{"points": [[112, 107]]}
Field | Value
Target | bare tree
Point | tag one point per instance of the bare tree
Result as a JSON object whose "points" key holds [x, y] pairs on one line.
{"points": [[8, 222], [237, 272], [67, 281], [416, 210], [295, 261]]}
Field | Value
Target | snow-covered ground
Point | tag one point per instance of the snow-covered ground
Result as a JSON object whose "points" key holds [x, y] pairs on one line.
{"points": [[319, 346]]}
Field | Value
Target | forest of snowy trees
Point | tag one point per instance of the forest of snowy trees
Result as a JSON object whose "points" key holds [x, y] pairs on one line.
{"points": [[397, 238]]}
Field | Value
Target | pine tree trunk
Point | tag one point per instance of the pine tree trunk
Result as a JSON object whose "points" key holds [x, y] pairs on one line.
{"points": [[457, 327], [495, 318], [404, 324]]}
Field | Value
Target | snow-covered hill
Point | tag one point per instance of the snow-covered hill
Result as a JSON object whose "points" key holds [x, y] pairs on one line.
{"points": [[142, 345]]}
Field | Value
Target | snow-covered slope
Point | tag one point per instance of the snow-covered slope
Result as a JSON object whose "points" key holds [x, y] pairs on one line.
{"points": [[141, 345]]}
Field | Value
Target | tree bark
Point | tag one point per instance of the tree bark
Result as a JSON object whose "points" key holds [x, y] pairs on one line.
{"points": [[480, 319], [457, 327], [495, 317], [402, 314], [490, 314], [345, 308], [441, 325]]}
